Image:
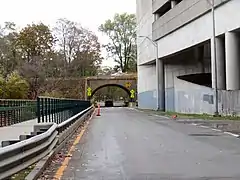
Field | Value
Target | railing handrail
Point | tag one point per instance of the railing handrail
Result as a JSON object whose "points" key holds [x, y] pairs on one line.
{"points": [[47, 97], [23, 100]]}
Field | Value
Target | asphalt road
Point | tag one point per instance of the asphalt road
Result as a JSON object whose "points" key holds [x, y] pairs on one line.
{"points": [[125, 144]]}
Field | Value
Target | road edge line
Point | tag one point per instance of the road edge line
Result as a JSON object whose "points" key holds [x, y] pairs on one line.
{"points": [[232, 134], [218, 130], [206, 127]]}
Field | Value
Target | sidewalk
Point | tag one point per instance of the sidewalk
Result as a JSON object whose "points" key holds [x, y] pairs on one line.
{"points": [[14, 131]]}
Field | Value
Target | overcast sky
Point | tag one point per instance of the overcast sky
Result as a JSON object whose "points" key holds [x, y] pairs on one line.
{"points": [[90, 13]]}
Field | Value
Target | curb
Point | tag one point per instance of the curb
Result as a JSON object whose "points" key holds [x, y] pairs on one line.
{"points": [[42, 164]]}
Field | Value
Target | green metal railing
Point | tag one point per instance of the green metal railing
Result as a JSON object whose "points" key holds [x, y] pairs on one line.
{"points": [[16, 111], [58, 110]]}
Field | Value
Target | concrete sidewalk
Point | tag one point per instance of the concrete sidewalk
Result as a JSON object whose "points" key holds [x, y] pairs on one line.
{"points": [[14, 131]]}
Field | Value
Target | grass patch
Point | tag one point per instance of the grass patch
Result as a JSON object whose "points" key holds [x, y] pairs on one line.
{"points": [[193, 116], [22, 174]]}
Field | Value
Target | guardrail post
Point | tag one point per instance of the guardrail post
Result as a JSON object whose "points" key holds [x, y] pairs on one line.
{"points": [[21, 111], [38, 110], [48, 110], [62, 110], [5, 113], [18, 111], [1, 115], [58, 111], [55, 111], [42, 109], [9, 121], [52, 110]]}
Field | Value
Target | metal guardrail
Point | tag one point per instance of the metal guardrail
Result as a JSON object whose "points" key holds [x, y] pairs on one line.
{"points": [[16, 111], [16, 157]]}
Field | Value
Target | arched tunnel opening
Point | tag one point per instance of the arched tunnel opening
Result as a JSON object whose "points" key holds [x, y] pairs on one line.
{"points": [[111, 95]]}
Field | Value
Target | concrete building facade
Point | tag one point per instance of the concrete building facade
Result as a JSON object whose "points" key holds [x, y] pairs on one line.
{"points": [[183, 32]]}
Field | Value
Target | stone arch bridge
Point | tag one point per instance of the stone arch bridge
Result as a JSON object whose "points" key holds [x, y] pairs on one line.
{"points": [[125, 82]]}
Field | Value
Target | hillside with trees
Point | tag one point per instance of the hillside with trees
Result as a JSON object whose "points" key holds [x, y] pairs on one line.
{"points": [[41, 60], [32, 55]]}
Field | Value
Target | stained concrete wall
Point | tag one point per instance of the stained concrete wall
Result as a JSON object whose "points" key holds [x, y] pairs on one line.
{"points": [[146, 53], [200, 29], [229, 102], [183, 13], [171, 74], [186, 63], [196, 99], [147, 86], [147, 82], [187, 36], [146, 50], [192, 98]]}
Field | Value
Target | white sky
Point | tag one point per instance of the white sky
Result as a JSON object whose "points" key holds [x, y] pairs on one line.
{"points": [[90, 13]]}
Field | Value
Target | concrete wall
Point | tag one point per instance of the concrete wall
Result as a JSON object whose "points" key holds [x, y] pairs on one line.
{"points": [[200, 29], [229, 102], [183, 13], [146, 50], [147, 86], [172, 72], [182, 96], [186, 63], [192, 98]]}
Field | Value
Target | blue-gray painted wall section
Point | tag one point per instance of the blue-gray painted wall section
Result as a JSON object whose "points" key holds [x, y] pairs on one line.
{"points": [[146, 100], [169, 100], [190, 98]]}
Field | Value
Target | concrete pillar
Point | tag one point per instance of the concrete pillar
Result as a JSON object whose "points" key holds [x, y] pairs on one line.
{"points": [[220, 58], [160, 73], [220, 55], [173, 3], [232, 61]]}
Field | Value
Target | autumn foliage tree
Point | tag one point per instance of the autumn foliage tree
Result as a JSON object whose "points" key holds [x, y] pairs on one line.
{"points": [[121, 31], [13, 87], [34, 43], [39, 53]]}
